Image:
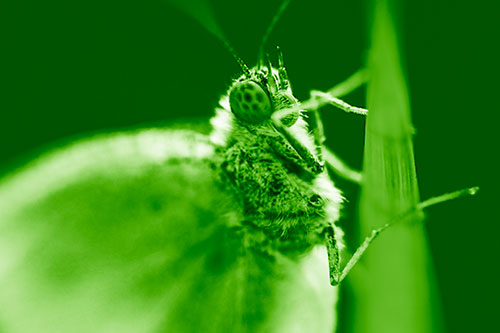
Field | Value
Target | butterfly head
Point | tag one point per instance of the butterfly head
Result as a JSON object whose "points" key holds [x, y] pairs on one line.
{"points": [[260, 92]]}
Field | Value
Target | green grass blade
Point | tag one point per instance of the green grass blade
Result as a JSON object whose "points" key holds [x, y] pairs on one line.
{"points": [[397, 288]]}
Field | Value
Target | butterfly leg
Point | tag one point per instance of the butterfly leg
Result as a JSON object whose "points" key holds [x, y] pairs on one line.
{"points": [[340, 167], [333, 256], [352, 83], [320, 98], [311, 163], [325, 154], [339, 275], [332, 95], [322, 153], [323, 98]]}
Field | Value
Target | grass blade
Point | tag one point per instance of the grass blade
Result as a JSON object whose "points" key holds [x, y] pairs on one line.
{"points": [[397, 290]]}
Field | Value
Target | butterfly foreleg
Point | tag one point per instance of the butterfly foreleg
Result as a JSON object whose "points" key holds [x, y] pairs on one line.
{"points": [[323, 98], [310, 162], [333, 255], [325, 154]]}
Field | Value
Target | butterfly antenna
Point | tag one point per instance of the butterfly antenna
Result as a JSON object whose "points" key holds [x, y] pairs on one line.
{"points": [[202, 13], [240, 61], [270, 28]]}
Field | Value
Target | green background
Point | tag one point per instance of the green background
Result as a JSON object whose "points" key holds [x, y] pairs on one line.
{"points": [[80, 67]]}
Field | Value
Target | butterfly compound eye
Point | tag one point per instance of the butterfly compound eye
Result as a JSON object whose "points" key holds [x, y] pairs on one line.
{"points": [[249, 102]]}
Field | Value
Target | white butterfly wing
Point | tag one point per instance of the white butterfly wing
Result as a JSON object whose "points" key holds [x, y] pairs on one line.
{"points": [[130, 233]]}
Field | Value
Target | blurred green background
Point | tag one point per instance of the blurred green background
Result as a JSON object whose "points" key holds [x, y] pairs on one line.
{"points": [[80, 67]]}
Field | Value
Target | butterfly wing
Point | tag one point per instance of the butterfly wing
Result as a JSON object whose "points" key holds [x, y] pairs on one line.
{"points": [[132, 233]]}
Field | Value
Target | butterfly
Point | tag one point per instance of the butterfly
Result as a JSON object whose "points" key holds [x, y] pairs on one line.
{"points": [[175, 230]]}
